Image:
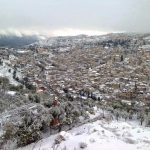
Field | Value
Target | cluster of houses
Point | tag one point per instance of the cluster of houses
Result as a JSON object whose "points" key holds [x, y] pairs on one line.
{"points": [[112, 67]]}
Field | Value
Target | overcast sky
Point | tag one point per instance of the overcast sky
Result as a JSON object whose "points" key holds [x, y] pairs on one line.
{"points": [[74, 16]]}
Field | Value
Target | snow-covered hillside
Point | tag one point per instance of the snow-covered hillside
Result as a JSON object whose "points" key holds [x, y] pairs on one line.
{"points": [[4, 72], [99, 135]]}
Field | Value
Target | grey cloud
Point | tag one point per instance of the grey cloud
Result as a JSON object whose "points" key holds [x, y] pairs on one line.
{"points": [[100, 15]]}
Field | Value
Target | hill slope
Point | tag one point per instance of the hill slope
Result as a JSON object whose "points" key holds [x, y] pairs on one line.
{"points": [[98, 135], [13, 41]]}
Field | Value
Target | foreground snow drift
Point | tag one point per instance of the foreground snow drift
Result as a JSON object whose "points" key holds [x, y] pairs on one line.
{"points": [[99, 135]]}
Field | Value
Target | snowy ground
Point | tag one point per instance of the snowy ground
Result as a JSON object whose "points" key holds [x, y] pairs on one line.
{"points": [[5, 73], [99, 135]]}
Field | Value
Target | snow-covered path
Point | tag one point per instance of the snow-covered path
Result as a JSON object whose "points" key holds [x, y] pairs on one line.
{"points": [[99, 135]]}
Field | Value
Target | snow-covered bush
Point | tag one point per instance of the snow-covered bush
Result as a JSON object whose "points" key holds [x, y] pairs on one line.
{"points": [[148, 119], [27, 136], [76, 112], [48, 103], [15, 88], [33, 123], [9, 131], [34, 98], [55, 111], [117, 114], [32, 134], [83, 145], [130, 140], [28, 125]]}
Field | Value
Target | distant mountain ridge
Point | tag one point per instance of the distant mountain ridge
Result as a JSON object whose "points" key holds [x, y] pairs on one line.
{"points": [[14, 41]]}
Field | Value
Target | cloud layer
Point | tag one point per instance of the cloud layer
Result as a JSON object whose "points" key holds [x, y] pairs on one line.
{"points": [[54, 17]]}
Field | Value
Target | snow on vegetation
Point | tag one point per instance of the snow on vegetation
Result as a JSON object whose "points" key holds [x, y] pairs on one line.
{"points": [[4, 72], [11, 93], [98, 135]]}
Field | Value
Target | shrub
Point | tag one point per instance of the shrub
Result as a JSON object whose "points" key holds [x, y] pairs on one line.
{"points": [[15, 88], [55, 111], [34, 98], [117, 105], [9, 131], [83, 145], [48, 103], [26, 136], [4, 81]]}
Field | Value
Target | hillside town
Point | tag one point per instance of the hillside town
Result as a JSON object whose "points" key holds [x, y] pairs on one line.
{"points": [[112, 67], [70, 77]]}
